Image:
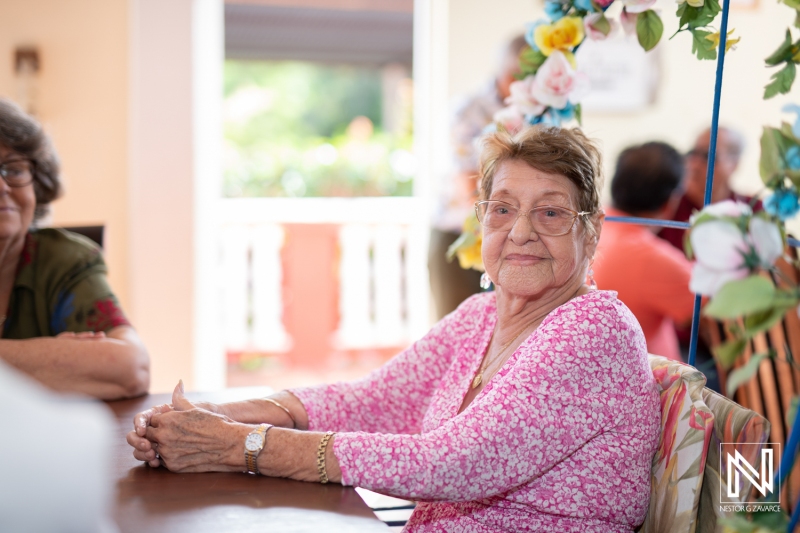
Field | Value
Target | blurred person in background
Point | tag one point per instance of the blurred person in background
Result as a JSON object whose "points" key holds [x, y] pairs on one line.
{"points": [[451, 284], [56, 475], [59, 321], [530, 408], [650, 276], [730, 145]]}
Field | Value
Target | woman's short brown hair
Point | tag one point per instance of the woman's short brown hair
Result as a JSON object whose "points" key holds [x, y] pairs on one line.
{"points": [[22, 134], [550, 149]]}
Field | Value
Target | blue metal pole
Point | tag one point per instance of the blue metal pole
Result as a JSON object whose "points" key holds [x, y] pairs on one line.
{"points": [[712, 156]]}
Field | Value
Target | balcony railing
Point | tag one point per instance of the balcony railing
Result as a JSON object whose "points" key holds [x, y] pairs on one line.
{"points": [[274, 250]]}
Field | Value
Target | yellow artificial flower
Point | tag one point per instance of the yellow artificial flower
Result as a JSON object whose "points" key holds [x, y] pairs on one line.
{"points": [[468, 245], [714, 38], [564, 35]]}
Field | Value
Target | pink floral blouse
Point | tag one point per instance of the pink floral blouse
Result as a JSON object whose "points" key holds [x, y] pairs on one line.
{"points": [[560, 439]]}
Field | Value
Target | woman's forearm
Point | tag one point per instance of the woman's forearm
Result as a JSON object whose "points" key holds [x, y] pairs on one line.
{"points": [[258, 410], [293, 454], [109, 368]]}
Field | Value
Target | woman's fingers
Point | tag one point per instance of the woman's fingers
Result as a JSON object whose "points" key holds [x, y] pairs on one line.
{"points": [[179, 401], [142, 420]]}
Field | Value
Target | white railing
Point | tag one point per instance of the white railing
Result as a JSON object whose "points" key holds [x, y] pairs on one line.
{"points": [[383, 282]]}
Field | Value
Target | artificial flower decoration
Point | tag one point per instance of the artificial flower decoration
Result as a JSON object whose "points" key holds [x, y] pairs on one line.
{"points": [[637, 6], [468, 245], [729, 243], [729, 42], [782, 204], [563, 35], [522, 98], [557, 84], [598, 27]]}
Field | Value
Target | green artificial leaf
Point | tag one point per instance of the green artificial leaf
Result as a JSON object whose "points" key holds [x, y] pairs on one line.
{"points": [[770, 164], [465, 239], [763, 320], [702, 47], [706, 14], [686, 14], [602, 24], [741, 297], [781, 81], [797, 20], [530, 60], [579, 114], [649, 29], [727, 352], [783, 53], [791, 414], [741, 375]]}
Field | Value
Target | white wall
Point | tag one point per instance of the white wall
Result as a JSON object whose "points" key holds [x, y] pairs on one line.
{"points": [[683, 104], [83, 103]]}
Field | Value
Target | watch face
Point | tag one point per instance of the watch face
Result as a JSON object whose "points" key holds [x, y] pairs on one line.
{"points": [[254, 442]]}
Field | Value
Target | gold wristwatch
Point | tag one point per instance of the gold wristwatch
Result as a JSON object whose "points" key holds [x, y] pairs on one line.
{"points": [[253, 445]]}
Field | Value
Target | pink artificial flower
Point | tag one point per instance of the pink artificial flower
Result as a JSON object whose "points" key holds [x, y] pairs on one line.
{"points": [[637, 6], [767, 241], [510, 118], [604, 3], [589, 26], [726, 208], [521, 97], [628, 21], [557, 83]]}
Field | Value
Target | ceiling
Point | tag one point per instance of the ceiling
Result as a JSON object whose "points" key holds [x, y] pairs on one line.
{"points": [[274, 32]]}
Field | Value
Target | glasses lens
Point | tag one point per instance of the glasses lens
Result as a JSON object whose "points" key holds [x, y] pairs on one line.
{"points": [[16, 173], [549, 220], [497, 215]]}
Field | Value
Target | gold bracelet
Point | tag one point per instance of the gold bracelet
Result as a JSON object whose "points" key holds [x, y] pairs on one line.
{"points": [[323, 445], [294, 422]]}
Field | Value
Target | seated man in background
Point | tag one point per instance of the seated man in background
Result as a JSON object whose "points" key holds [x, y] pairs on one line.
{"points": [[59, 321], [650, 276], [730, 146]]}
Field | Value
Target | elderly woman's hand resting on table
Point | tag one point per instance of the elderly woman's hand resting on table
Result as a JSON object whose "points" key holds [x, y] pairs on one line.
{"points": [[204, 437]]}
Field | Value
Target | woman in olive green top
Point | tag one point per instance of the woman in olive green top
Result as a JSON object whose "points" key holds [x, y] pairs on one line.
{"points": [[59, 321]]}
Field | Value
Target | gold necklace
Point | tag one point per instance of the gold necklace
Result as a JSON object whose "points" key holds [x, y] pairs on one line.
{"points": [[478, 379]]}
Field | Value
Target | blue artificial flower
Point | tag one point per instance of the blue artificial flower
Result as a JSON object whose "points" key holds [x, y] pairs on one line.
{"points": [[794, 108], [783, 203], [555, 10], [530, 30], [585, 5], [566, 113], [793, 157]]}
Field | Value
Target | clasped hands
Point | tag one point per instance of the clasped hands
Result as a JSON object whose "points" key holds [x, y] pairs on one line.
{"points": [[188, 437]]}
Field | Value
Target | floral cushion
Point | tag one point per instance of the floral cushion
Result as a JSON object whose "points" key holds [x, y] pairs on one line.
{"points": [[678, 465], [732, 423]]}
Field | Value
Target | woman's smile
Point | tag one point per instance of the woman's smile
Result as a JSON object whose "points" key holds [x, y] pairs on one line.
{"points": [[524, 259]]}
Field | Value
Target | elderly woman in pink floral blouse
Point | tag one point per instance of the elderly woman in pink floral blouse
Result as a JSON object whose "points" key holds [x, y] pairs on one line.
{"points": [[529, 408]]}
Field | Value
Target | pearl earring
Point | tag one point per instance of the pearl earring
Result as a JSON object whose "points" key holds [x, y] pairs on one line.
{"points": [[486, 282]]}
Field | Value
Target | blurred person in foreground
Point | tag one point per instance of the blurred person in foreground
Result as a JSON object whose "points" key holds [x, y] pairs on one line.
{"points": [[45, 487], [59, 321], [730, 145], [650, 276], [451, 284], [529, 408]]}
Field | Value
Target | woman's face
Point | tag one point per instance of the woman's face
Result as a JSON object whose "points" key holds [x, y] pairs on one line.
{"points": [[519, 260], [17, 204]]}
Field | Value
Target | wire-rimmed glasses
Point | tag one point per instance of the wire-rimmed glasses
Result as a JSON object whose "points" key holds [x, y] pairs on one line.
{"points": [[16, 172], [549, 220]]}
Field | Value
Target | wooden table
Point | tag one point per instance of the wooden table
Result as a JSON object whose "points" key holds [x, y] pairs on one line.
{"points": [[156, 500]]}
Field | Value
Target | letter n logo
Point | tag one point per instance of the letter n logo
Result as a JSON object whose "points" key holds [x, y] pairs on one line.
{"points": [[762, 481]]}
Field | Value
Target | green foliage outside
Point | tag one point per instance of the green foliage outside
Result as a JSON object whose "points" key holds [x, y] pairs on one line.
{"points": [[301, 129]]}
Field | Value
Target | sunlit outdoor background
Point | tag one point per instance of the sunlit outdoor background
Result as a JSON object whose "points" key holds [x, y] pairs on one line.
{"points": [[265, 169]]}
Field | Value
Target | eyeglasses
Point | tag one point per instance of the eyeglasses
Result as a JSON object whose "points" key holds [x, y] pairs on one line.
{"points": [[17, 172], [549, 220], [702, 155]]}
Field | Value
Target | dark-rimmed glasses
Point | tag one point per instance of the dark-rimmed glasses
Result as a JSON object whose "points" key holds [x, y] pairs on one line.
{"points": [[16, 172], [549, 220]]}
